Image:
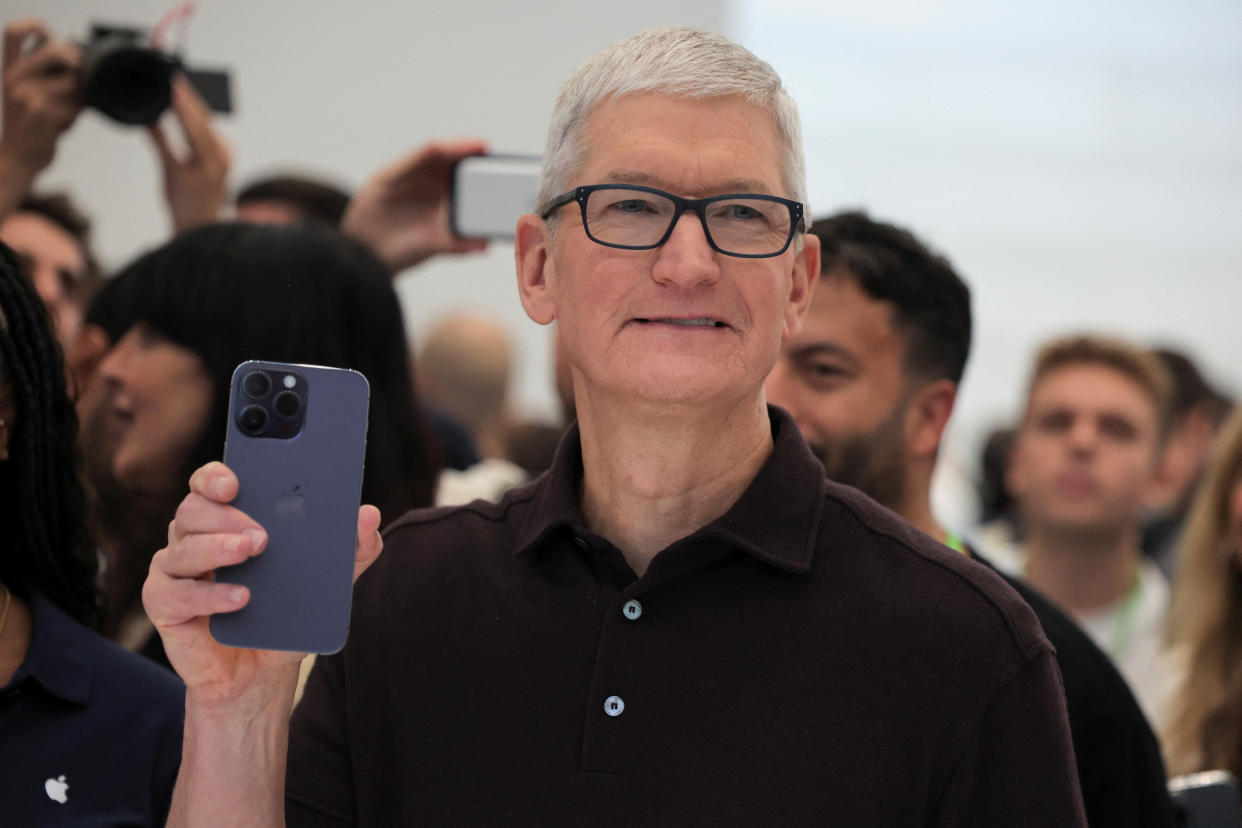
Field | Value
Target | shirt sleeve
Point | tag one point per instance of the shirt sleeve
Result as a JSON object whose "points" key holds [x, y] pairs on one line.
{"points": [[1018, 767], [319, 787]]}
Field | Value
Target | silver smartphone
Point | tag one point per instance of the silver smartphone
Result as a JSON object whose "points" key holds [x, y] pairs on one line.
{"points": [[296, 440], [490, 192], [1207, 800]]}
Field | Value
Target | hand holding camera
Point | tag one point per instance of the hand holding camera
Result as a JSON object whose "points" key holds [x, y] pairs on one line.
{"points": [[41, 99], [196, 184]]}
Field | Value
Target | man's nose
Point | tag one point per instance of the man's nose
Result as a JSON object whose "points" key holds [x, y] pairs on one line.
{"points": [[687, 258], [1083, 434]]}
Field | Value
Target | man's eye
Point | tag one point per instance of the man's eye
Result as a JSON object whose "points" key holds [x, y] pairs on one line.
{"points": [[823, 374], [1118, 428], [1056, 421], [633, 205]]}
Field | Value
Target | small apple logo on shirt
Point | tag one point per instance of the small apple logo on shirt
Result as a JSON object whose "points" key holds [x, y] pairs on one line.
{"points": [[57, 789]]}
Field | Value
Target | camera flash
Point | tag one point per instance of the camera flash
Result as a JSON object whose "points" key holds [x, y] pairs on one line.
{"points": [[290, 381]]}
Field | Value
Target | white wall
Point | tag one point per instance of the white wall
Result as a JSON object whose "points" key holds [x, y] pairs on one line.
{"points": [[1080, 161], [342, 88]]}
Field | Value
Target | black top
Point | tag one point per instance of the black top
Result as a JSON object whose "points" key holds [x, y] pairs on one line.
{"points": [[89, 734], [806, 658], [1119, 765]]}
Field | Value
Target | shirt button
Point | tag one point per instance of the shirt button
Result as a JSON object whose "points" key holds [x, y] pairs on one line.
{"points": [[614, 706], [632, 610]]}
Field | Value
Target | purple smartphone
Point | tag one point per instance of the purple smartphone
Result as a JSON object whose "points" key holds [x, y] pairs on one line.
{"points": [[297, 442]]}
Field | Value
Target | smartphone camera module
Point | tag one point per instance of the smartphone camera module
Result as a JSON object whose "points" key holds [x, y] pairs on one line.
{"points": [[252, 420], [269, 401], [287, 404], [257, 384]]}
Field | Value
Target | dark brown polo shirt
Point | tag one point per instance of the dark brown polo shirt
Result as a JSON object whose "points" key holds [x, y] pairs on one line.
{"points": [[807, 658]]}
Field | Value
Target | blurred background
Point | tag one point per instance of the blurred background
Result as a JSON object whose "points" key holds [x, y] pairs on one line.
{"points": [[1079, 162]]}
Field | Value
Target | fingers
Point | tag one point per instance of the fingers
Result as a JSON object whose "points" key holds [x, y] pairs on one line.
{"points": [[436, 156], [214, 481], [171, 601], [16, 35], [159, 139], [195, 120], [193, 556], [369, 542], [51, 60]]}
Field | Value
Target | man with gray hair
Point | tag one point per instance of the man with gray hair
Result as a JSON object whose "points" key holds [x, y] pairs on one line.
{"points": [[682, 622]]}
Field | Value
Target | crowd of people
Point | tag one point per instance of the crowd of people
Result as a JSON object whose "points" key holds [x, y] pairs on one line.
{"points": [[716, 593]]}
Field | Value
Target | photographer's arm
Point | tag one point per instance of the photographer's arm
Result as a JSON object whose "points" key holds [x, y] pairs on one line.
{"points": [[237, 700], [402, 212], [195, 186], [41, 99]]}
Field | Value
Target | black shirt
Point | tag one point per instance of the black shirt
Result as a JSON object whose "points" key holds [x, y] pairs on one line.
{"points": [[1119, 765], [806, 658], [88, 723]]}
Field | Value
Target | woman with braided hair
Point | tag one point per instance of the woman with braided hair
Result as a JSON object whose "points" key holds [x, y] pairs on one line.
{"points": [[89, 733]]}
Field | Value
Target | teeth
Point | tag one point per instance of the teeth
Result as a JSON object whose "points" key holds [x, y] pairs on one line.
{"points": [[690, 323]]}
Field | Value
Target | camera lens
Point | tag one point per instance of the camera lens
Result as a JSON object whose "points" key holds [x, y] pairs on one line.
{"points": [[257, 384], [287, 404], [252, 420]]}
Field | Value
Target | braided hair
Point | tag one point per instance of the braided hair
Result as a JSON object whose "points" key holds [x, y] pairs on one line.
{"points": [[47, 547]]}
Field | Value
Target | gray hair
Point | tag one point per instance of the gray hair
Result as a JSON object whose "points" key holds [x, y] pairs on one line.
{"points": [[679, 61]]}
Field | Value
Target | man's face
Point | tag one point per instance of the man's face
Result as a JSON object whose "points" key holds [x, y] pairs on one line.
{"points": [[56, 265], [624, 315], [268, 211], [1086, 451], [842, 380]]}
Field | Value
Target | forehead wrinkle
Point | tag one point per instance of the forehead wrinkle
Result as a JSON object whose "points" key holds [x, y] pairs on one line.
{"points": [[732, 185]]}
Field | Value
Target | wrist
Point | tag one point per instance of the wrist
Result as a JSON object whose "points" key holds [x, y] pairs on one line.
{"points": [[16, 179]]}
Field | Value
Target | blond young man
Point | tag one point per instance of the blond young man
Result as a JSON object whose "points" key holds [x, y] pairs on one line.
{"points": [[1086, 457]]}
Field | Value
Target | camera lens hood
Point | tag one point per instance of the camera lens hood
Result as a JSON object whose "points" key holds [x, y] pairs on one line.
{"points": [[125, 80]]}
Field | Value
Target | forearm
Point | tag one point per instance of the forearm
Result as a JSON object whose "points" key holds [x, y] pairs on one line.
{"points": [[16, 179], [233, 764]]}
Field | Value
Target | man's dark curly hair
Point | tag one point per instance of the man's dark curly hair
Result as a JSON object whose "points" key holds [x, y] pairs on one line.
{"points": [[47, 547], [931, 302]]}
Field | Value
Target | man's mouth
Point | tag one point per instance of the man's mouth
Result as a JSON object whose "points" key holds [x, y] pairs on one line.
{"points": [[693, 322]]}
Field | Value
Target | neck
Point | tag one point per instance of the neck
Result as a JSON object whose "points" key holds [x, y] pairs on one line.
{"points": [[654, 475], [916, 505], [14, 636], [1082, 570]]}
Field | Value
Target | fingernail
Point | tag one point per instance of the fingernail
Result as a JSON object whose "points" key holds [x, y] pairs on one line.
{"points": [[236, 594], [256, 539], [220, 487]]}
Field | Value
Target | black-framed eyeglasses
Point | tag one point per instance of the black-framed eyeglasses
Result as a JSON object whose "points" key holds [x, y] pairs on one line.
{"points": [[631, 217]]}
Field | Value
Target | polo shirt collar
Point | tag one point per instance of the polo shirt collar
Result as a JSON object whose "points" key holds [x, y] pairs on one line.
{"points": [[56, 659], [776, 519]]}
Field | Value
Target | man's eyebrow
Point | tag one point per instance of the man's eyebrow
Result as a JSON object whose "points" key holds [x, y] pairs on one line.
{"points": [[733, 185]]}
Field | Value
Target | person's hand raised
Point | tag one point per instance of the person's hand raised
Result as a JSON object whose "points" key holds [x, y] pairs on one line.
{"points": [[402, 213], [196, 184], [180, 595], [42, 97]]}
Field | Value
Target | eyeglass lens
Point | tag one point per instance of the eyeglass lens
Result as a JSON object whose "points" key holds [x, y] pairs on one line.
{"points": [[749, 226]]}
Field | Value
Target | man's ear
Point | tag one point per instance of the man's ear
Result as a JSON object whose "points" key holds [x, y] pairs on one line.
{"points": [[531, 245], [928, 415], [802, 287]]}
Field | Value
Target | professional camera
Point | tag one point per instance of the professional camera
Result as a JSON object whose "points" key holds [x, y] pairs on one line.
{"points": [[128, 79]]}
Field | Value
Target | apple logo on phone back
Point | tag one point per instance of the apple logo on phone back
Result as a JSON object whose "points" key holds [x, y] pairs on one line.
{"points": [[291, 506]]}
